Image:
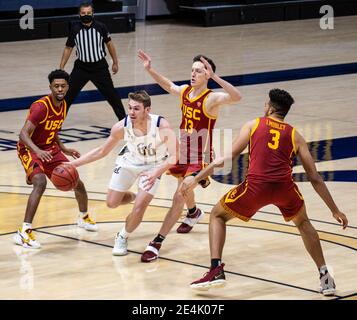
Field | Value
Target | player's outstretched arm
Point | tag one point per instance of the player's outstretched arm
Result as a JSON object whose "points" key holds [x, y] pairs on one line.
{"points": [[316, 180], [231, 94], [239, 144], [116, 134], [163, 82]]}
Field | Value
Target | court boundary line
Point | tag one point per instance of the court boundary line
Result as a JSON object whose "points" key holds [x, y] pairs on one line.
{"points": [[347, 296], [202, 223], [166, 199], [272, 222]]}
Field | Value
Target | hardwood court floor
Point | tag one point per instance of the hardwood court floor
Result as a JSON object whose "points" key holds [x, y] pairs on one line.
{"points": [[265, 258]]}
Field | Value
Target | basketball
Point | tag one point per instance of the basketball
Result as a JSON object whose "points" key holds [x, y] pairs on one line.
{"points": [[65, 177]]}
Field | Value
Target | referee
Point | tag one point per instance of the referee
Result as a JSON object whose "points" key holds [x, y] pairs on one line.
{"points": [[89, 36]]}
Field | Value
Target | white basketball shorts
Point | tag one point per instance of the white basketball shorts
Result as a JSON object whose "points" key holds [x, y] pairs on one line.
{"points": [[125, 174]]}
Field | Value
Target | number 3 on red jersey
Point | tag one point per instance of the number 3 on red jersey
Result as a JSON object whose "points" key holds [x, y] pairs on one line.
{"points": [[275, 139]]}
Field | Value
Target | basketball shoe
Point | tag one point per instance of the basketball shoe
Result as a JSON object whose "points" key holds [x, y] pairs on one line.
{"points": [[190, 220], [26, 239], [120, 246], [87, 223], [214, 278], [151, 252], [327, 283]]}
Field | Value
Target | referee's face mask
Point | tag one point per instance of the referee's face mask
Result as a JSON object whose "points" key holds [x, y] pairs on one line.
{"points": [[86, 18]]}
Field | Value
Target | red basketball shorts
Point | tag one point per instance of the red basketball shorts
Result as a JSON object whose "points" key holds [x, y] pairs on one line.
{"points": [[33, 165], [247, 198], [189, 169]]}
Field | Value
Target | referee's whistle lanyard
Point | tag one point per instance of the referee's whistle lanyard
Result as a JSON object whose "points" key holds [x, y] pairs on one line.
{"points": [[86, 18]]}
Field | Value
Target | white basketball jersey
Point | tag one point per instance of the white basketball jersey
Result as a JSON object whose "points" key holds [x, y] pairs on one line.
{"points": [[148, 149]]}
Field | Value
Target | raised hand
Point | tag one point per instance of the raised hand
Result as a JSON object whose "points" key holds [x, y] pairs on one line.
{"points": [[145, 58], [208, 68]]}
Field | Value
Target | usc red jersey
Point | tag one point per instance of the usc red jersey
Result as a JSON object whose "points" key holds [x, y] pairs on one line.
{"points": [[195, 129], [48, 121], [271, 151], [269, 180]]}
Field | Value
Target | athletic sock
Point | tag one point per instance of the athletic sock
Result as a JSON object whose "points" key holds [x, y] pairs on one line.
{"points": [[26, 226], [192, 211], [83, 214], [159, 238], [215, 263], [323, 270], [124, 234]]}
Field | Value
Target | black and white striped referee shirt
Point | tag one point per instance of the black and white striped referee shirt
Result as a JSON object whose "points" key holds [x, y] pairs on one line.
{"points": [[89, 41]]}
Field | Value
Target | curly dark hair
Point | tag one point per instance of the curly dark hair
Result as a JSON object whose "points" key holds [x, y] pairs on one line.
{"points": [[58, 74], [210, 61], [281, 101]]}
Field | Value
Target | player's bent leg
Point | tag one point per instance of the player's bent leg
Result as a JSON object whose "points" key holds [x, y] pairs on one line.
{"points": [[117, 198], [84, 220], [151, 252], [26, 237], [215, 277], [39, 186], [313, 246], [173, 214], [133, 220], [217, 230], [81, 196], [192, 217], [142, 201]]}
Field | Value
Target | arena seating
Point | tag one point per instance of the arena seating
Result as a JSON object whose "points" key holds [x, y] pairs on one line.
{"points": [[52, 19], [217, 13]]}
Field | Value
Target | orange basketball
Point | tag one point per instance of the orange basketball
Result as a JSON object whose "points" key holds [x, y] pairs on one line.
{"points": [[65, 177]]}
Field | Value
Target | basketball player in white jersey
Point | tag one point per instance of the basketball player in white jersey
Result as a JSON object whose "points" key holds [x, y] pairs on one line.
{"points": [[152, 149]]}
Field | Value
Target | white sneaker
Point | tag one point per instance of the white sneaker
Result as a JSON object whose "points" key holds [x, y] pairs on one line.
{"points": [[120, 246], [26, 239], [327, 284], [87, 223]]}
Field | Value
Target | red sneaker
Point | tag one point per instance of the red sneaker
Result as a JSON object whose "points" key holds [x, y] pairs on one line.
{"points": [[190, 220], [214, 278], [151, 252]]}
